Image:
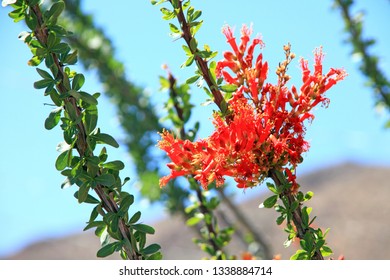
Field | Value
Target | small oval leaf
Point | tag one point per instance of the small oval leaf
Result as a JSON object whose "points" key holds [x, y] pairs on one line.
{"points": [[105, 180], [143, 228], [108, 249], [62, 160], [270, 201], [114, 165]]}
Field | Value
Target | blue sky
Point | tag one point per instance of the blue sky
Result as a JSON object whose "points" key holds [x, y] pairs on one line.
{"points": [[32, 204]]}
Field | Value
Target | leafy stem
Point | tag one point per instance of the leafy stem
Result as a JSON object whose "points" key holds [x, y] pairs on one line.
{"points": [[188, 36], [79, 122], [202, 209], [312, 240]]}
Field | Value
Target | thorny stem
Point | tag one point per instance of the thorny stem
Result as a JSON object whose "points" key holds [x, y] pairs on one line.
{"points": [[210, 227], [370, 69], [296, 214], [199, 194], [202, 63], [246, 224], [174, 97], [108, 203]]}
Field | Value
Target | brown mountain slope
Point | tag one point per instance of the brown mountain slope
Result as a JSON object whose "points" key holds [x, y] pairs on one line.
{"points": [[352, 200]]}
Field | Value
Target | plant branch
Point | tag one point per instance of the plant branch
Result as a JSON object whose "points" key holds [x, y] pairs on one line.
{"points": [[210, 227], [202, 63], [369, 66], [246, 224], [108, 203], [296, 214], [199, 192]]}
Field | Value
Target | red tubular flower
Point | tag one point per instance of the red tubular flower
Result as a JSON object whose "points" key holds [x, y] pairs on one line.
{"points": [[266, 128]]}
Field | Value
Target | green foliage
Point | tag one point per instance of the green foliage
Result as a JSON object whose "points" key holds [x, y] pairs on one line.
{"points": [[190, 24], [132, 102], [201, 212], [361, 46], [297, 218], [77, 112]]}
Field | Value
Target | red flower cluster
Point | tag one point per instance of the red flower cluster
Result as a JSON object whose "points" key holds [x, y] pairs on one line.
{"points": [[266, 127]]}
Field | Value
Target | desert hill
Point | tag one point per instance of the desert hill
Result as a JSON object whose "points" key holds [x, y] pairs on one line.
{"points": [[352, 200]]}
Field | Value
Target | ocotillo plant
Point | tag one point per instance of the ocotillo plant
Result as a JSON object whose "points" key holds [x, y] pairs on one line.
{"points": [[259, 130], [77, 111]]}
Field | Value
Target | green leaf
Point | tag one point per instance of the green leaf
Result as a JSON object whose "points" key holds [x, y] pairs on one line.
{"points": [[105, 180], [90, 118], [280, 219], [195, 26], [94, 213], [174, 28], [43, 83], [53, 118], [108, 249], [62, 160], [34, 61], [326, 251], [60, 48], [125, 204], [156, 2], [300, 196], [151, 249], [44, 74], [299, 255], [272, 188], [187, 50], [114, 165], [87, 98], [167, 14], [31, 21], [83, 192], [49, 61], [71, 58], [228, 88], [175, 3], [304, 245], [32, 3], [193, 79], [143, 228], [78, 81], [54, 12], [212, 72], [106, 139], [135, 218], [141, 239], [114, 225], [194, 221], [90, 199], [188, 62], [305, 216], [156, 256], [270, 201], [288, 242], [193, 44], [93, 224], [320, 243], [195, 15], [309, 195], [213, 203], [17, 15]]}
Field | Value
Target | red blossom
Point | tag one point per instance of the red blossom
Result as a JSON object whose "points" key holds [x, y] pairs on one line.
{"points": [[266, 128]]}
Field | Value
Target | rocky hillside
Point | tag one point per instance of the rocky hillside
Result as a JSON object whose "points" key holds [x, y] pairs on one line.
{"points": [[352, 200]]}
